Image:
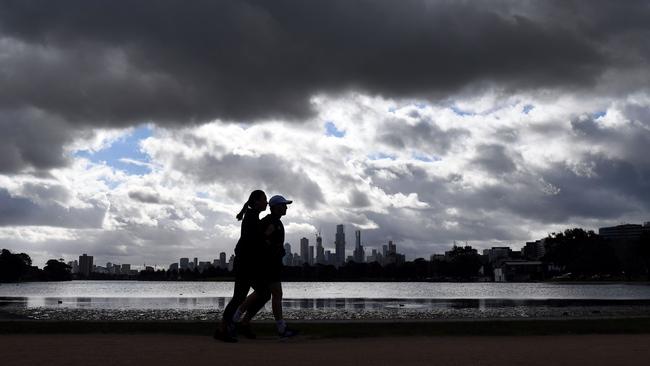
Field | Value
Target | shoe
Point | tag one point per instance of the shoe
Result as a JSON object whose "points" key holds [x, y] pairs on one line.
{"points": [[226, 333], [246, 330], [288, 332]]}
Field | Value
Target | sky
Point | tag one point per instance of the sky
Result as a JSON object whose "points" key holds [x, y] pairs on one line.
{"points": [[134, 131]]}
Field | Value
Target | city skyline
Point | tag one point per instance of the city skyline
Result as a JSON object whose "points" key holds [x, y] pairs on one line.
{"points": [[532, 249], [418, 121]]}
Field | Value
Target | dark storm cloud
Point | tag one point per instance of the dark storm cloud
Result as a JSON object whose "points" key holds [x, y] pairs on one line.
{"points": [[175, 61], [30, 139]]}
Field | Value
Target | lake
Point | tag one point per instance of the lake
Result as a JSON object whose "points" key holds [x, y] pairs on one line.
{"points": [[318, 300]]}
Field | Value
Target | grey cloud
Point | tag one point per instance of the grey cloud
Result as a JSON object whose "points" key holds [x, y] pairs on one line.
{"points": [[359, 199], [267, 172], [20, 211], [494, 159], [145, 196], [425, 135]]}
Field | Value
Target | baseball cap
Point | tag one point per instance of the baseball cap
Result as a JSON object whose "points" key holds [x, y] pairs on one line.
{"points": [[278, 200]]}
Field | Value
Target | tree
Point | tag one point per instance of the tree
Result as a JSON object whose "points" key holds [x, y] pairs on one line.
{"points": [[465, 262], [57, 271], [581, 252], [13, 266]]}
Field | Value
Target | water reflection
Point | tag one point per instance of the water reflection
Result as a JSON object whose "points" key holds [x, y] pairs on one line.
{"points": [[352, 304]]}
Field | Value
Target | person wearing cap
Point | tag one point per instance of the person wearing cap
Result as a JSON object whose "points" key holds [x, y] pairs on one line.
{"points": [[273, 231]]}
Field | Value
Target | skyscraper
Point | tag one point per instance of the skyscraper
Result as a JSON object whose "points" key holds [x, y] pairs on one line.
{"points": [[359, 254], [185, 263], [392, 248], [287, 260], [85, 264], [304, 250], [320, 251], [310, 260], [222, 260], [339, 244]]}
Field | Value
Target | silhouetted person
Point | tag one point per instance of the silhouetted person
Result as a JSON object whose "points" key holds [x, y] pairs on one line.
{"points": [[273, 231], [248, 254]]}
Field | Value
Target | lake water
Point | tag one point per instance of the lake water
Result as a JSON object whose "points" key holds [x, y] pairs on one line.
{"points": [[305, 300]]}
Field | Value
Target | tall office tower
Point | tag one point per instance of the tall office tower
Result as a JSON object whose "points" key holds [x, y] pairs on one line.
{"points": [[320, 251], [339, 244], [329, 258], [85, 264], [384, 250], [359, 253], [311, 255], [287, 260], [196, 262], [185, 263], [392, 248], [222, 260], [304, 250]]}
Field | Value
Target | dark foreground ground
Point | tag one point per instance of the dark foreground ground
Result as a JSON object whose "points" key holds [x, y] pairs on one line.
{"points": [[167, 349]]}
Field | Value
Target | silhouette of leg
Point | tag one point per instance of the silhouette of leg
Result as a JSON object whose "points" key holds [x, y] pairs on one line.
{"points": [[263, 294], [276, 302]]}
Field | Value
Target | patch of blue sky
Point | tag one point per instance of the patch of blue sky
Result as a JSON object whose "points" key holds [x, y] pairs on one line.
{"points": [[426, 158], [332, 130], [599, 114], [528, 108], [124, 153], [461, 112], [420, 105], [381, 156]]}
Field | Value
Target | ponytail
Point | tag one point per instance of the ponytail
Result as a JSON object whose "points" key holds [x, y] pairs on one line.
{"points": [[241, 213], [254, 196]]}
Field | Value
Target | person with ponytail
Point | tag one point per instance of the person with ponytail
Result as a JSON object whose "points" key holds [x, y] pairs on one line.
{"points": [[247, 268]]}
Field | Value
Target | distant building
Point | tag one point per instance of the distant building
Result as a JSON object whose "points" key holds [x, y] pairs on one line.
{"points": [[320, 251], [359, 254], [304, 250], [231, 262], [339, 244], [223, 264], [311, 255], [534, 249], [85, 264], [126, 268], [173, 267], [392, 248], [438, 257], [392, 256], [519, 271], [496, 254], [329, 258], [626, 232], [185, 263], [372, 257], [287, 260]]}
